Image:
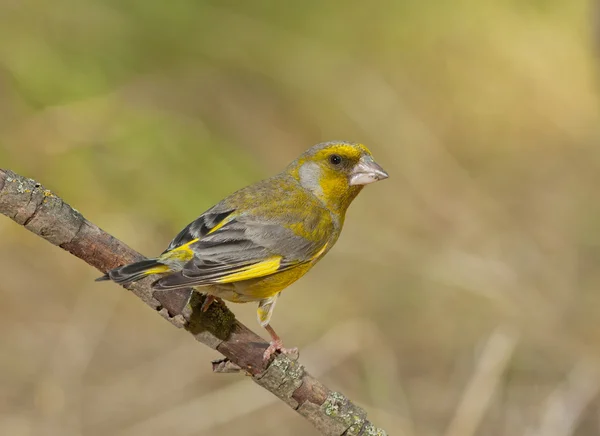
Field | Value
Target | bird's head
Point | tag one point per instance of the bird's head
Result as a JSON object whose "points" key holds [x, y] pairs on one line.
{"points": [[336, 172]]}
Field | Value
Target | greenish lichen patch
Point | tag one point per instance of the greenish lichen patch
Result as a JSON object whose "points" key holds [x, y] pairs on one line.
{"points": [[353, 417], [358, 423], [21, 188], [282, 377], [287, 367], [333, 404], [218, 320], [371, 430]]}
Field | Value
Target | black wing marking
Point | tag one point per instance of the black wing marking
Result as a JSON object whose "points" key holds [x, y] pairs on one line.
{"points": [[200, 227]]}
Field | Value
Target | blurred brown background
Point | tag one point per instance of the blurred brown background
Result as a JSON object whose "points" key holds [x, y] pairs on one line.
{"points": [[462, 298]]}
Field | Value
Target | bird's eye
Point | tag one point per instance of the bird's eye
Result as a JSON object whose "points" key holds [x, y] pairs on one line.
{"points": [[335, 159]]}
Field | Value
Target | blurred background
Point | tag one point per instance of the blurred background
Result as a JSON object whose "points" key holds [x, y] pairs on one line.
{"points": [[463, 296]]}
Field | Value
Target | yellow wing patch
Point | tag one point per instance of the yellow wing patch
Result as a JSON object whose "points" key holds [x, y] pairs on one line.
{"points": [[182, 253], [218, 226], [158, 270], [261, 269]]}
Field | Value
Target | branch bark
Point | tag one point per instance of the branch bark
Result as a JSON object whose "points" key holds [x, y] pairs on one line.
{"points": [[40, 211]]}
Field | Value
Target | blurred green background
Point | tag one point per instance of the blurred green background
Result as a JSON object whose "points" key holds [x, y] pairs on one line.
{"points": [[462, 298]]}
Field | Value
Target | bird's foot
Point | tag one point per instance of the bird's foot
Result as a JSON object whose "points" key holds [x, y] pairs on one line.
{"points": [[277, 345], [208, 300]]}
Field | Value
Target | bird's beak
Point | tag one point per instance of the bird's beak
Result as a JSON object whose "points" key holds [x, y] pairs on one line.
{"points": [[367, 171]]}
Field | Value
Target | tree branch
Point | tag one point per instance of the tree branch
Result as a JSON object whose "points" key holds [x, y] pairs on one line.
{"points": [[40, 211]]}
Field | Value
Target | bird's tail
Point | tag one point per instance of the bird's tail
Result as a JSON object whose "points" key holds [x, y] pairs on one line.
{"points": [[134, 271]]}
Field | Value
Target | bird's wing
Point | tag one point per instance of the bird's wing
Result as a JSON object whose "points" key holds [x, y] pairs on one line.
{"points": [[226, 247]]}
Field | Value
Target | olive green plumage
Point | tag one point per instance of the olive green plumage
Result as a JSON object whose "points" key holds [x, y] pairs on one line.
{"points": [[262, 238]]}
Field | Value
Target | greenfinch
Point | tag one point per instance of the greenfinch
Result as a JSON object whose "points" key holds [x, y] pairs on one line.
{"points": [[261, 239]]}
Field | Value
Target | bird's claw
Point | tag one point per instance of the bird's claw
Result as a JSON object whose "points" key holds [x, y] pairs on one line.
{"points": [[275, 346], [208, 300]]}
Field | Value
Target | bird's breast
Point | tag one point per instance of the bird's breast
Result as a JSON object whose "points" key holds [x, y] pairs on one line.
{"points": [[260, 288]]}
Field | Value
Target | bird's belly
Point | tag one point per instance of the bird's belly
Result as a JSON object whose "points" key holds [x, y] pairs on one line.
{"points": [[260, 288]]}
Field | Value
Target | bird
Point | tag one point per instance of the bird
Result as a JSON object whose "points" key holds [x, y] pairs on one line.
{"points": [[262, 238]]}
